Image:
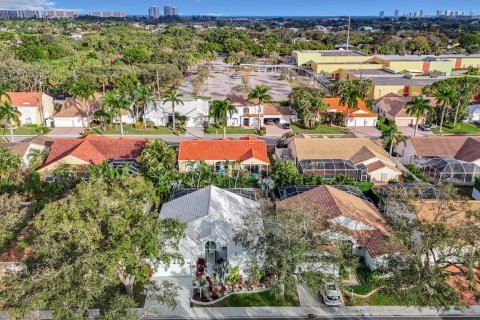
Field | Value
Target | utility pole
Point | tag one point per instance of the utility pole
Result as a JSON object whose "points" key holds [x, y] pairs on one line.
{"points": [[348, 33]]}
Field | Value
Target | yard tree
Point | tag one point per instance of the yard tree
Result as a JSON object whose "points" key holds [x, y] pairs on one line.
{"points": [[288, 241], [418, 107], [221, 110], [9, 115], [391, 137], [285, 173], [443, 233], [307, 102], [90, 249], [175, 99], [260, 93], [349, 96], [9, 167], [84, 89], [13, 216]]}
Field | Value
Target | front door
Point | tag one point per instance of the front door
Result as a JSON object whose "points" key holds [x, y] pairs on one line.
{"points": [[210, 250], [246, 122]]}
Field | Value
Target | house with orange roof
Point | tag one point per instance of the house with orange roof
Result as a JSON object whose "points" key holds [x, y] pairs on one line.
{"points": [[34, 107], [249, 112], [247, 153], [345, 216], [81, 153], [358, 117]]}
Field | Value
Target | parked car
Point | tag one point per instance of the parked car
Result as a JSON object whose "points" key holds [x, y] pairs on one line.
{"points": [[425, 127], [261, 70], [286, 126], [331, 295], [236, 76], [269, 121]]}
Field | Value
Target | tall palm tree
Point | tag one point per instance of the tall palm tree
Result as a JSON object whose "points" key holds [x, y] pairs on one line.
{"points": [[446, 97], [36, 157], [174, 99], [9, 114], [221, 110], [117, 102], [104, 116], [391, 137], [143, 96], [350, 97], [84, 89], [260, 93], [418, 107]]}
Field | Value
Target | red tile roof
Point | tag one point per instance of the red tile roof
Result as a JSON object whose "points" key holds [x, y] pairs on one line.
{"points": [[361, 111], [24, 99], [243, 149], [94, 149]]}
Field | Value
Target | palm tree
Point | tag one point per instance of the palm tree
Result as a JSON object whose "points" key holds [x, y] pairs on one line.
{"points": [[9, 114], [260, 93], [391, 137], [175, 99], [221, 110], [85, 90], [446, 97], [418, 107], [143, 96], [36, 157], [104, 116], [117, 103], [350, 97]]}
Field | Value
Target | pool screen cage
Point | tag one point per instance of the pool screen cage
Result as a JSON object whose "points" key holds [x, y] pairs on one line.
{"points": [[329, 168], [449, 170], [420, 190]]}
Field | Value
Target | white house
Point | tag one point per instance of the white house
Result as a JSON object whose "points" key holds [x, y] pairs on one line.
{"points": [[357, 117], [248, 112], [474, 112], [212, 216], [196, 112], [34, 107]]}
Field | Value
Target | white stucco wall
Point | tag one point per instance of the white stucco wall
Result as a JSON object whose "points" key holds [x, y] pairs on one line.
{"points": [[388, 174]]}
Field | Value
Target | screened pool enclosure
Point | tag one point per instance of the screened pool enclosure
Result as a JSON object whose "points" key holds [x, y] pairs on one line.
{"points": [[329, 168], [449, 170]]}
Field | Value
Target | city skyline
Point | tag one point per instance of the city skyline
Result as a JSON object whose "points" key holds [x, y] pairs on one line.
{"points": [[250, 7]]}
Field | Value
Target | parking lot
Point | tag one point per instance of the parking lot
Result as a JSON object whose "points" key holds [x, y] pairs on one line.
{"points": [[219, 85]]}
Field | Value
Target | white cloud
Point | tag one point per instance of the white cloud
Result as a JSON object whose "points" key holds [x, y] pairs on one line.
{"points": [[27, 4]]}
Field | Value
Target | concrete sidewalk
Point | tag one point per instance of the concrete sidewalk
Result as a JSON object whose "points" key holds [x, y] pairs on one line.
{"points": [[302, 312]]}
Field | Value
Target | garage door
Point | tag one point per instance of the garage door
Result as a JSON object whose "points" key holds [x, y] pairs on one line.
{"points": [[175, 270], [68, 122], [403, 122]]}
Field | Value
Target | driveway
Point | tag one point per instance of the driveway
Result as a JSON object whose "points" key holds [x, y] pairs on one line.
{"points": [[409, 131], [366, 132], [276, 130], [183, 298], [69, 131]]}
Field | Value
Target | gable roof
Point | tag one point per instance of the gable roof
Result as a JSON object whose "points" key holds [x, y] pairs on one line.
{"points": [[241, 100], [243, 149], [24, 99], [394, 105], [434, 146], [361, 110], [21, 148], [337, 205], [78, 107], [95, 149], [355, 149]]}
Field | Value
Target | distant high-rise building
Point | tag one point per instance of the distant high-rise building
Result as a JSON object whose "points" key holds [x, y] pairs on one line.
{"points": [[396, 13], [439, 12], [448, 13], [458, 13], [420, 14], [106, 14], [38, 14], [170, 11], [473, 13], [382, 14], [154, 12]]}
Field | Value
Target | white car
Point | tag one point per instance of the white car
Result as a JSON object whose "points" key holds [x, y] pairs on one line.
{"points": [[236, 76], [331, 295]]}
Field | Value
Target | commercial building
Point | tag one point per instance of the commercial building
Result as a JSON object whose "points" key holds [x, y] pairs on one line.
{"points": [[38, 14], [382, 14], [154, 12], [170, 11], [107, 14]]}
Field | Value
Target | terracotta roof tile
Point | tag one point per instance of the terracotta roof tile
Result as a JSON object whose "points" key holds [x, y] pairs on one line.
{"points": [[242, 149], [25, 99], [361, 110], [434, 146], [334, 203], [94, 149]]}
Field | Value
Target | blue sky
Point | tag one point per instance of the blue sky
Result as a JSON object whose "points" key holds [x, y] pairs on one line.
{"points": [[255, 7]]}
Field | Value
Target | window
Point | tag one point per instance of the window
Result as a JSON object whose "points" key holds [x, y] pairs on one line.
{"points": [[28, 120], [246, 110], [48, 177], [220, 167], [384, 176], [224, 248]]}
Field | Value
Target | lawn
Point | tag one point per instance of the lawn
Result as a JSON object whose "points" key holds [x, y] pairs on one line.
{"points": [[230, 130], [22, 131], [128, 129], [376, 299], [257, 299], [465, 128], [319, 129]]}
